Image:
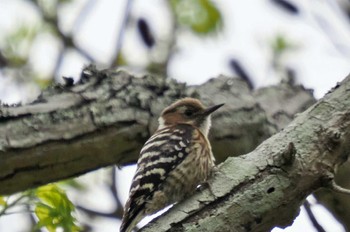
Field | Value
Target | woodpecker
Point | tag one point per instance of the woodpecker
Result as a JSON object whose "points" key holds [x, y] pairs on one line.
{"points": [[173, 162]]}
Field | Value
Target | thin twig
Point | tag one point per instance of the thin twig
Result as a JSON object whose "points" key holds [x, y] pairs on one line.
{"points": [[172, 40], [83, 13], [59, 62], [113, 188], [31, 217], [67, 40], [113, 185], [336, 188], [118, 212], [14, 203], [30, 212], [121, 32], [312, 217], [93, 213]]}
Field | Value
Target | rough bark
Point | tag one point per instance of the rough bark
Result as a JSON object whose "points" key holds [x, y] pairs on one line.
{"points": [[265, 188], [106, 118]]}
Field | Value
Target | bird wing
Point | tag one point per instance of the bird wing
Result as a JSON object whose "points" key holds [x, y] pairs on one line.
{"points": [[158, 157]]}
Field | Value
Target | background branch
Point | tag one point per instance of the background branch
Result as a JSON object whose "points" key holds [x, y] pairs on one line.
{"points": [[121, 32], [312, 217], [106, 118]]}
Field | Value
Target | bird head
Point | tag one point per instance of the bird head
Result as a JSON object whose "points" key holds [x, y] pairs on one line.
{"points": [[188, 111]]}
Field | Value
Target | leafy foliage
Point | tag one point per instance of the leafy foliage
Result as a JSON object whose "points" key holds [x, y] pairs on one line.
{"points": [[201, 16], [51, 206], [54, 209], [18, 44]]}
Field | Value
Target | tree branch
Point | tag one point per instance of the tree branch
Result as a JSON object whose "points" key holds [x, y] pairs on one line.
{"points": [[106, 118], [264, 189]]}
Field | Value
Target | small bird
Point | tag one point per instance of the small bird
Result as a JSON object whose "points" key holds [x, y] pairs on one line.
{"points": [[173, 162]]}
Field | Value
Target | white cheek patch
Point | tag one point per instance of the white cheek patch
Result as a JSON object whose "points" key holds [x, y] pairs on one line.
{"points": [[206, 126], [161, 123]]}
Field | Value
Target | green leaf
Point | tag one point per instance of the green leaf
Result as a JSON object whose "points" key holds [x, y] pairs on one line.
{"points": [[2, 201], [281, 44], [201, 16], [17, 44], [54, 209], [45, 216]]}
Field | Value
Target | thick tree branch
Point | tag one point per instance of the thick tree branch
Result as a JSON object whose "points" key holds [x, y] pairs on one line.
{"points": [[106, 118], [265, 188]]}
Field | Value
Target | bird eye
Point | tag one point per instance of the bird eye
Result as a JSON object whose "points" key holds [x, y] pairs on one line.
{"points": [[189, 113]]}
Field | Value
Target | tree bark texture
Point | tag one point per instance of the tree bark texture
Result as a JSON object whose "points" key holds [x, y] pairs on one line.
{"points": [[265, 188], [107, 117]]}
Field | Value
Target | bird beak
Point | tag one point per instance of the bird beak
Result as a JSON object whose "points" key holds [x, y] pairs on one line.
{"points": [[211, 109]]}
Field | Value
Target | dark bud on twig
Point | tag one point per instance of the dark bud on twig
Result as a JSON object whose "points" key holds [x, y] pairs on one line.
{"points": [[240, 71], [287, 6], [145, 33], [68, 81], [86, 74]]}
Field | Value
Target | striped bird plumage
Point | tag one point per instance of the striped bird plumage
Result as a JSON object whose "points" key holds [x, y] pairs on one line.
{"points": [[172, 163], [156, 176]]}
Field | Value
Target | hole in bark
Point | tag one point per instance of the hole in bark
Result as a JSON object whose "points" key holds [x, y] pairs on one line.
{"points": [[271, 190]]}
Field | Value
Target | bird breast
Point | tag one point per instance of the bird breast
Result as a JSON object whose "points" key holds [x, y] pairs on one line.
{"points": [[183, 180]]}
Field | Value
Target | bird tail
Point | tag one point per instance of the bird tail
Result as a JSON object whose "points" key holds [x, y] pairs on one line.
{"points": [[129, 223]]}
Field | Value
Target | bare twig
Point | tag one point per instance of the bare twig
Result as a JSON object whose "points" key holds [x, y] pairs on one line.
{"points": [[312, 217], [67, 40], [118, 212], [336, 188], [12, 204], [84, 12], [93, 213], [170, 48], [58, 62], [121, 32], [31, 217], [113, 188]]}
